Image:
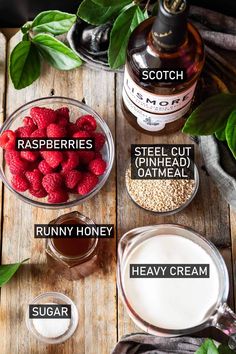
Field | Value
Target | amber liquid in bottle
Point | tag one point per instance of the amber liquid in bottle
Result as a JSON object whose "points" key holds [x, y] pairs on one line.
{"points": [[167, 42]]}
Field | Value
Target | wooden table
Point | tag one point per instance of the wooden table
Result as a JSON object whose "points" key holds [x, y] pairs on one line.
{"points": [[103, 319]]}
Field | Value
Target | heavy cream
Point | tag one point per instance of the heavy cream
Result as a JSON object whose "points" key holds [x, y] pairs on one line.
{"points": [[171, 303]]}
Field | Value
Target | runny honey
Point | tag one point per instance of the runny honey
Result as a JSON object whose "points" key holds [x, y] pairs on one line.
{"points": [[73, 247], [73, 258]]}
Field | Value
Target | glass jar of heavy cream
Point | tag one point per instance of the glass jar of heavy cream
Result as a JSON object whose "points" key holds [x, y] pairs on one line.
{"points": [[174, 303]]}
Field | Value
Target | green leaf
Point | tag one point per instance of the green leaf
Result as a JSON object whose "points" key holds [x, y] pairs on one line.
{"points": [[55, 22], [123, 26], [8, 270], [208, 347], [145, 14], [230, 132], [56, 53], [24, 64], [220, 134], [112, 2], [96, 14], [224, 349], [211, 115]]}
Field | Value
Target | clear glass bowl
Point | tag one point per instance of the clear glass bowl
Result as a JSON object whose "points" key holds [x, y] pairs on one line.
{"points": [[77, 109], [176, 210], [53, 298]]}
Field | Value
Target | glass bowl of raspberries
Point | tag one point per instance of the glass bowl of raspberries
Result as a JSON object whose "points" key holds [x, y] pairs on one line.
{"points": [[55, 179]]}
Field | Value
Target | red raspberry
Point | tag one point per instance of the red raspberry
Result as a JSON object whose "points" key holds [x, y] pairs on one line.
{"points": [[72, 128], [88, 182], [39, 133], [28, 121], [44, 167], [8, 140], [35, 179], [59, 196], [29, 155], [99, 141], [17, 166], [52, 182], [64, 112], [56, 131], [19, 183], [40, 193], [81, 135], [72, 178], [63, 122], [10, 155], [24, 132], [86, 122], [53, 158], [71, 162], [97, 166], [86, 156], [42, 116]]}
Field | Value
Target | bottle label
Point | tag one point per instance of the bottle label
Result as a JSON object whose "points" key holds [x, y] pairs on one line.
{"points": [[154, 111]]}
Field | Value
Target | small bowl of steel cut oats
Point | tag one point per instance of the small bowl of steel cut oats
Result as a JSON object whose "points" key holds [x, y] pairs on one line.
{"points": [[162, 196]]}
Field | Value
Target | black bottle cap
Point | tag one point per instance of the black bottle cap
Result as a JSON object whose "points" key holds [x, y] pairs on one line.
{"points": [[170, 27]]}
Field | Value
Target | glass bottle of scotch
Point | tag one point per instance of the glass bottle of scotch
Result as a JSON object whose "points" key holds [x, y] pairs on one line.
{"points": [[167, 42]]}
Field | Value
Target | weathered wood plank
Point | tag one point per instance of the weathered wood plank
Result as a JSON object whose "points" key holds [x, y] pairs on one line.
{"points": [[208, 213], [3, 54], [95, 296]]}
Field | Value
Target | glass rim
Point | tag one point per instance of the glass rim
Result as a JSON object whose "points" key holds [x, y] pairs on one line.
{"points": [[105, 128], [144, 325], [74, 318]]}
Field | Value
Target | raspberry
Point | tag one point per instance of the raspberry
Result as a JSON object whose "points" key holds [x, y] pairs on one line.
{"points": [[72, 128], [56, 131], [53, 158], [81, 135], [63, 122], [63, 112], [88, 182], [17, 166], [39, 133], [52, 182], [42, 117], [44, 167], [35, 179], [71, 162], [40, 193], [24, 132], [86, 122], [59, 196], [28, 121], [10, 155], [72, 178], [29, 155], [99, 141], [86, 156], [8, 140], [97, 166], [19, 183]]}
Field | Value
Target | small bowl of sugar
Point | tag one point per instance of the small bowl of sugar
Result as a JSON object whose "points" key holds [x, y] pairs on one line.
{"points": [[52, 317]]}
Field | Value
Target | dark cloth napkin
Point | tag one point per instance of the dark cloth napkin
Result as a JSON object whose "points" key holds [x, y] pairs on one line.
{"points": [[142, 343], [221, 166]]}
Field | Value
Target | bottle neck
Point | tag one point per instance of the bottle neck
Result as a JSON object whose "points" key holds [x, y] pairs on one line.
{"points": [[169, 28]]}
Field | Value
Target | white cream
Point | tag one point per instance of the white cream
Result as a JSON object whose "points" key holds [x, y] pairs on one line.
{"points": [[171, 303]]}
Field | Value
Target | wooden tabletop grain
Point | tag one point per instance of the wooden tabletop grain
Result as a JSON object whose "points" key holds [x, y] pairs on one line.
{"points": [[103, 319]]}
